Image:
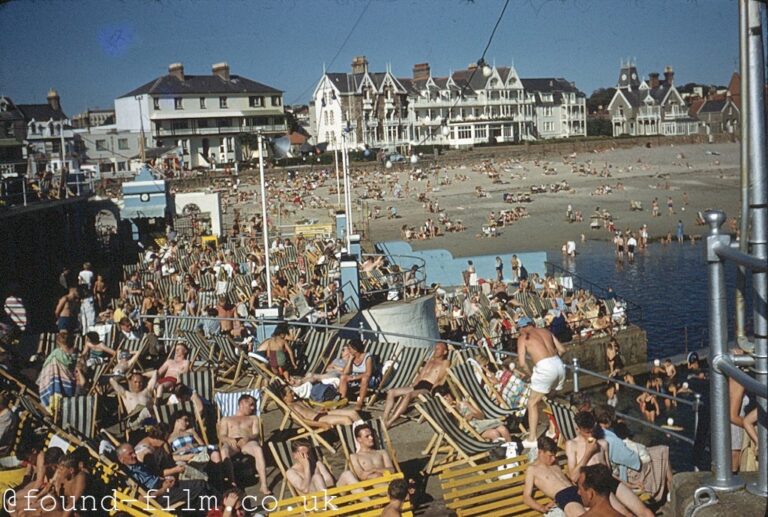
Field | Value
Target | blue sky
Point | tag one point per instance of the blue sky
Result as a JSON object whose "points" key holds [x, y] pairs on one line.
{"points": [[95, 51]]}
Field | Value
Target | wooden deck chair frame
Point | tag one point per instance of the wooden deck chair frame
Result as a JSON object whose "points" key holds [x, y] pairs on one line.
{"points": [[230, 359], [458, 446], [290, 415], [381, 435], [410, 360], [199, 346], [367, 500], [201, 382]]}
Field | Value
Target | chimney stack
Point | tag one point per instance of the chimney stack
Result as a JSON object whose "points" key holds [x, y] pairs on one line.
{"points": [[421, 71], [221, 70], [359, 65], [472, 66], [669, 75], [54, 100], [176, 70], [653, 80]]}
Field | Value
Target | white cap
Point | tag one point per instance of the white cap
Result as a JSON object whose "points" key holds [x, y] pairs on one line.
{"points": [[656, 362], [670, 421]]}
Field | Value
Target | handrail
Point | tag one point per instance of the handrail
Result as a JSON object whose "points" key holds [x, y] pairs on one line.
{"points": [[656, 427], [724, 365]]}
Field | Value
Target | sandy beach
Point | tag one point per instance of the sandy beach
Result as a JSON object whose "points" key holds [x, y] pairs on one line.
{"points": [[708, 173]]}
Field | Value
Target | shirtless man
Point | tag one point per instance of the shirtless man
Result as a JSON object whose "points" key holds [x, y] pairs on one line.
{"points": [[548, 369], [240, 433], [67, 311], [546, 475], [308, 475], [369, 462], [138, 395], [172, 369], [278, 351], [584, 450], [595, 483], [432, 374], [319, 418]]}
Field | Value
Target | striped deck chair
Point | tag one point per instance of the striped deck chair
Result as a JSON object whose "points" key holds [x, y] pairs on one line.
{"points": [[207, 282], [207, 298], [565, 420], [226, 401], [201, 382], [230, 359], [46, 342], [292, 254], [189, 324], [273, 391], [199, 348], [316, 350], [457, 445], [165, 412], [380, 435], [465, 380], [409, 361], [80, 414], [281, 453]]}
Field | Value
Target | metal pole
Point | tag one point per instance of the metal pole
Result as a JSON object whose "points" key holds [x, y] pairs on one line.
{"points": [[347, 197], [697, 399], [575, 374], [64, 177], [264, 222], [24, 189], [338, 181], [720, 427], [758, 238], [741, 272]]}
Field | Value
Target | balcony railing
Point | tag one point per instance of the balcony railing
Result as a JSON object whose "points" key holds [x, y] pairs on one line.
{"points": [[224, 130]]}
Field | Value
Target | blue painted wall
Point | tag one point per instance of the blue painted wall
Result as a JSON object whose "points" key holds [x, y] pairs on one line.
{"points": [[444, 269]]}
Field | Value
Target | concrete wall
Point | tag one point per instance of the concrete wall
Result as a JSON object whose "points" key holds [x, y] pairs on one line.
{"points": [[206, 202], [444, 269], [127, 116], [633, 344]]}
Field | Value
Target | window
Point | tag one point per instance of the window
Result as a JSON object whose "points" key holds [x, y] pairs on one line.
{"points": [[481, 132], [121, 166], [101, 145], [203, 122], [202, 103], [465, 132], [179, 124], [276, 100], [255, 101], [177, 103], [222, 102], [156, 103], [122, 144]]}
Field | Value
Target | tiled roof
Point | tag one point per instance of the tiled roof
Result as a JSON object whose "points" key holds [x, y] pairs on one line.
{"points": [[550, 85], [713, 106], [197, 84], [41, 112]]}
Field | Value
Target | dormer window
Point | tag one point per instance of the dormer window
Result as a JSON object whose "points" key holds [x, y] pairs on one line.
{"points": [[177, 103], [222, 102], [156, 103]]}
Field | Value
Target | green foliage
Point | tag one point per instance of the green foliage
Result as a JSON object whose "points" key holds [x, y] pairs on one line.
{"points": [[599, 127], [600, 97]]}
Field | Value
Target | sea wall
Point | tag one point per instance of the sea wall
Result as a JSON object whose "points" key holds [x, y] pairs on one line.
{"points": [[444, 269], [633, 344]]}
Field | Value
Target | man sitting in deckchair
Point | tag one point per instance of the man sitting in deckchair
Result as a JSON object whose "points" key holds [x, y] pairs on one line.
{"points": [[546, 475], [241, 433], [308, 475], [369, 462], [432, 375]]}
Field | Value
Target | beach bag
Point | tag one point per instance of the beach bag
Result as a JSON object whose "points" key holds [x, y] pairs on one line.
{"points": [[322, 392]]}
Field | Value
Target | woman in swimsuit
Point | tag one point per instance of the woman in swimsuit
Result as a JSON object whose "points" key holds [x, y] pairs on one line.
{"points": [[278, 351], [649, 406]]}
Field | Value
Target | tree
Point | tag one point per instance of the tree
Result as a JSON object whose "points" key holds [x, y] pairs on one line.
{"points": [[599, 127], [600, 99]]}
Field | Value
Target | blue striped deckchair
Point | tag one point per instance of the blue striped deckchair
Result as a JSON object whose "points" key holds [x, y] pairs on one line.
{"points": [[565, 419]]}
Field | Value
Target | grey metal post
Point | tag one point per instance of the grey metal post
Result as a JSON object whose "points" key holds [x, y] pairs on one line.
{"points": [[24, 189], [361, 330], [575, 374], [758, 239], [720, 427], [741, 271]]}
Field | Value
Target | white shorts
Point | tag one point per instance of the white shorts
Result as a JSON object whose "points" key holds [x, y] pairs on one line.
{"points": [[547, 373]]}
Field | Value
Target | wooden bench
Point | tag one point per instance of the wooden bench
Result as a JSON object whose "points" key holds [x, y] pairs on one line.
{"points": [[340, 501]]}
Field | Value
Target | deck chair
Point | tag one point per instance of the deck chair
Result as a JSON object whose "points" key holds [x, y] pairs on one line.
{"points": [[349, 444], [281, 453], [226, 401], [409, 360], [449, 439], [363, 499], [272, 391], [565, 420], [80, 414], [201, 382], [199, 346], [465, 380]]}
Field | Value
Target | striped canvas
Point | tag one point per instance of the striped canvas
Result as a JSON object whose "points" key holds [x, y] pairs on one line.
{"points": [[227, 401]]}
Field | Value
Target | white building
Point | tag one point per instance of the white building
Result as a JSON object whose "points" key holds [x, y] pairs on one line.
{"points": [[48, 127], [202, 114], [468, 107]]}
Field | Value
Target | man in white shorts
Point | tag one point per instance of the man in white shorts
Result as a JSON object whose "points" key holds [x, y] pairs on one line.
{"points": [[548, 370]]}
